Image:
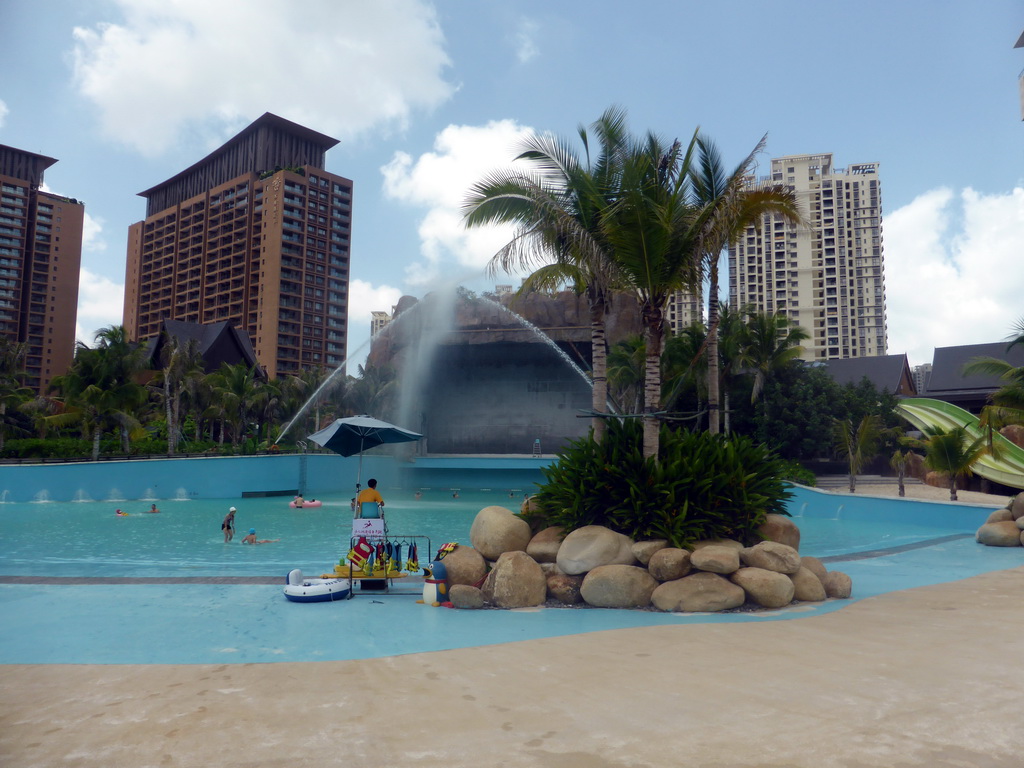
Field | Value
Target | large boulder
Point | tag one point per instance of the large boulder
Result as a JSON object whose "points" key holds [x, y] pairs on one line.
{"points": [[771, 556], [807, 587], [731, 543], [1000, 516], [1016, 506], [564, 588], [1014, 433], [465, 566], [669, 564], [588, 547], [698, 593], [716, 559], [463, 596], [770, 589], [642, 550], [781, 529], [838, 584], [543, 547], [497, 530], [516, 581], [815, 566], [618, 586], [1004, 534]]}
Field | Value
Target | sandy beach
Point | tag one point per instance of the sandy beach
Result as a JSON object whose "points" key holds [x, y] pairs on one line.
{"points": [[919, 490]]}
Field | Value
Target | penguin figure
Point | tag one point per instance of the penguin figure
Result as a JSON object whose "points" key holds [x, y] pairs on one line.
{"points": [[435, 584]]}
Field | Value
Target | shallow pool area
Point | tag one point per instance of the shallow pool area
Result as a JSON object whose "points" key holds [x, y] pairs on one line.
{"points": [[191, 598]]}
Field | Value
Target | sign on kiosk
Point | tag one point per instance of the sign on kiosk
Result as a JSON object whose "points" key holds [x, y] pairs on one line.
{"points": [[371, 528]]}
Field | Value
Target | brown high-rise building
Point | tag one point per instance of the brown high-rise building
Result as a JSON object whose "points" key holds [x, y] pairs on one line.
{"points": [[256, 233], [40, 257]]}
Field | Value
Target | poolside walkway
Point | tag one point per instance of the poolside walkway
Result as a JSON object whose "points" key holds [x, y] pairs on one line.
{"points": [[924, 677]]}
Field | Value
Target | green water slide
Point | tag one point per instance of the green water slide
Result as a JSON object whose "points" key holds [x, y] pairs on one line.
{"points": [[1006, 468]]}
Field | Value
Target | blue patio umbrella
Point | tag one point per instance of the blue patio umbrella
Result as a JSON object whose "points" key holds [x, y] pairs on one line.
{"points": [[355, 434]]}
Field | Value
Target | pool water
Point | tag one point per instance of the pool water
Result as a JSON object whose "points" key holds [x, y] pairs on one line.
{"points": [[87, 539]]}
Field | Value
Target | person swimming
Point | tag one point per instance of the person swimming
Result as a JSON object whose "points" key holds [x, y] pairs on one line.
{"points": [[251, 538], [119, 513]]}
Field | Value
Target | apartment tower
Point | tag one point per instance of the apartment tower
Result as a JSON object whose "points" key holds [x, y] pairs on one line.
{"points": [[40, 257], [257, 233], [825, 274]]}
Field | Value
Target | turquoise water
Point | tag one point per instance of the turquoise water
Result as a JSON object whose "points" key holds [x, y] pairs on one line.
{"points": [[87, 539], [201, 623]]}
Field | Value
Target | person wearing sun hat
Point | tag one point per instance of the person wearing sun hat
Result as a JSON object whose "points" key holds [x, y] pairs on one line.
{"points": [[228, 526]]}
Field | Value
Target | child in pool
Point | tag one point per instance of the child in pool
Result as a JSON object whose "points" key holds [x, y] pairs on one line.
{"points": [[251, 538]]}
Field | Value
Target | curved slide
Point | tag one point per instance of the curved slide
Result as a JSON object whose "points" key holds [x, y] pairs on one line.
{"points": [[1007, 468]]}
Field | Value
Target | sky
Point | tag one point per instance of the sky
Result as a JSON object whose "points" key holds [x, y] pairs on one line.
{"points": [[428, 97]]}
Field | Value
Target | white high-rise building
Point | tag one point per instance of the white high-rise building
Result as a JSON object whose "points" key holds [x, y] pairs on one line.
{"points": [[827, 273]]}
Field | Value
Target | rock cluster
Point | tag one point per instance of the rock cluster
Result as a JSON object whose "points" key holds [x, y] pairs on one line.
{"points": [[505, 567], [1004, 527]]}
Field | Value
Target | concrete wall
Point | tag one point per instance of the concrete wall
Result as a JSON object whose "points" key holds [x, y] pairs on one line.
{"points": [[500, 398]]}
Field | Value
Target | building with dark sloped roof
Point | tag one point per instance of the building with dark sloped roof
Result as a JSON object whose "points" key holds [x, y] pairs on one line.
{"points": [[889, 373], [948, 382], [258, 233], [219, 343]]}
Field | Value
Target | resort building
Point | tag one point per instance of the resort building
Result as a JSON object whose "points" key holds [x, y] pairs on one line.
{"points": [[826, 274], [256, 234], [684, 309], [379, 321], [40, 257]]}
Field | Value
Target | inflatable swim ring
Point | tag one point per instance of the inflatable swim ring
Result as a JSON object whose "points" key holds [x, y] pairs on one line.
{"points": [[299, 589], [306, 504]]}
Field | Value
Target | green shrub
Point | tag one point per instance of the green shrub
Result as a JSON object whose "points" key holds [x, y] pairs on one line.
{"points": [[703, 486], [795, 473]]}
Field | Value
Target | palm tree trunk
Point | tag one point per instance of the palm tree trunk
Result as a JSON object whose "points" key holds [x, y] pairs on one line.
{"points": [[952, 488], [654, 336], [599, 365], [903, 491], [725, 401], [96, 443], [714, 383]]}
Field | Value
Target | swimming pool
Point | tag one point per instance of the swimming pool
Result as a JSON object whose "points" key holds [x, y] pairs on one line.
{"points": [[89, 618], [86, 539]]}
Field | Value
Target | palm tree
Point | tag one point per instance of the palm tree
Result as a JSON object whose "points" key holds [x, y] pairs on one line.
{"points": [[13, 395], [899, 461], [1008, 401], [654, 234], [178, 361], [235, 392], [858, 446], [626, 374], [558, 205], [684, 368], [101, 390], [771, 343], [732, 340], [734, 202], [953, 453]]}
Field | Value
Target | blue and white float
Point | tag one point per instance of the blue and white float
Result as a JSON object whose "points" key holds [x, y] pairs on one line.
{"points": [[299, 589]]}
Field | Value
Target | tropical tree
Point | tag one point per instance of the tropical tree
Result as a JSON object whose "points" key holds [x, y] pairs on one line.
{"points": [[373, 392], [731, 337], [1007, 403], [179, 360], [558, 204], [653, 231], [732, 202], [953, 453], [626, 374], [13, 395], [899, 461], [858, 445], [771, 343], [100, 391], [234, 395], [684, 370]]}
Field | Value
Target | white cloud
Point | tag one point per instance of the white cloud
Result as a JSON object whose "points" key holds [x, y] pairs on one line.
{"points": [[100, 303], [3, 113], [364, 298], [92, 234], [342, 67], [439, 182], [526, 43], [954, 271]]}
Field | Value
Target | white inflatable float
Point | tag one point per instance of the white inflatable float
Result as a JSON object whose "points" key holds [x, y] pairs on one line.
{"points": [[299, 589]]}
